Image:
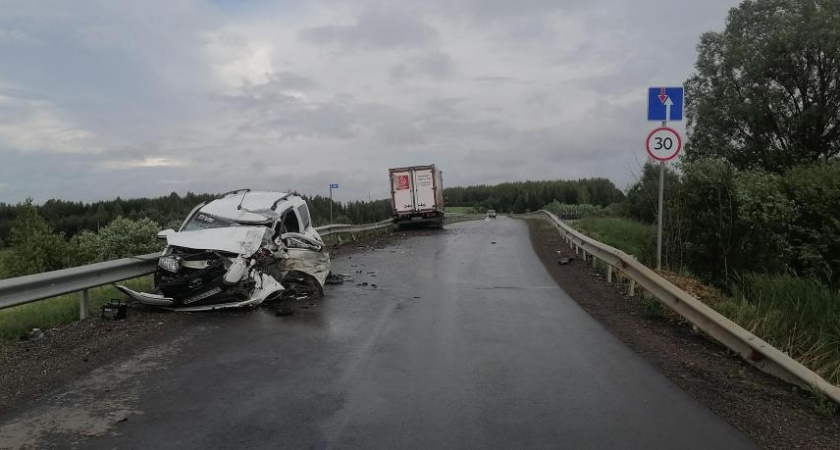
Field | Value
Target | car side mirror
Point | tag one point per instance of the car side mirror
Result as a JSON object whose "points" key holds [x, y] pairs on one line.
{"points": [[163, 235]]}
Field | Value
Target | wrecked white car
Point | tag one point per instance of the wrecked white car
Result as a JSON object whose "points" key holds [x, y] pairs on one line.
{"points": [[239, 250]]}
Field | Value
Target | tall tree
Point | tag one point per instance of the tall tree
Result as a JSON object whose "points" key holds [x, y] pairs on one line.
{"points": [[766, 91]]}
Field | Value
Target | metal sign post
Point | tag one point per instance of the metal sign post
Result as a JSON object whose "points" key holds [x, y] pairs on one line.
{"points": [[663, 144], [661, 209], [332, 186]]}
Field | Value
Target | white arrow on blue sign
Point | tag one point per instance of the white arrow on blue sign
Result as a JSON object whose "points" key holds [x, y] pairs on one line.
{"points": [[665, 104], [334, 186]]}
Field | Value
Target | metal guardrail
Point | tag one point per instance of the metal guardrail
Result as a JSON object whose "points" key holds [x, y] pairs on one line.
{"points": [[42, 286], [329, 230], [32, 288], [750, 347]]}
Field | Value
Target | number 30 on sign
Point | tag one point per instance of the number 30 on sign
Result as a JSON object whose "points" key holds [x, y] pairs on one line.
{"points": [[664, 144]]}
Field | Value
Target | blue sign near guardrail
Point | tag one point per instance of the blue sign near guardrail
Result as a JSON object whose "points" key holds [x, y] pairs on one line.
{"points": [[665, 104], [334, 186]]}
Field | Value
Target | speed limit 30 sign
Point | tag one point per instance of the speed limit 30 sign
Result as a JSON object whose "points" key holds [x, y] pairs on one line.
{"points": [[664, 144]]}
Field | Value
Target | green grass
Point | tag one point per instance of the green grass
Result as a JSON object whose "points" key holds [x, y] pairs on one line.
{"points": [[461, 210], [634, 238], [17, 322], [800, 317]]}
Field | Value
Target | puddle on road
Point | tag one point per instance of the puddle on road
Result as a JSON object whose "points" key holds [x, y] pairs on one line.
{"points": [[90, 407]]}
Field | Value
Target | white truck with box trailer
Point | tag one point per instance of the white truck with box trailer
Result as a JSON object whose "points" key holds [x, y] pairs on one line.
{"points": [[417, 195]]}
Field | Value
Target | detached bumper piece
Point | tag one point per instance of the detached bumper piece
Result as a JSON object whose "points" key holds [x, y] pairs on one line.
{"points": [[170, 303], [145, 298]]}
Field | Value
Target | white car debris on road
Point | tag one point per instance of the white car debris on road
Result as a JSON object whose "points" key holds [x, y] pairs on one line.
{"points": [[241, 249]]}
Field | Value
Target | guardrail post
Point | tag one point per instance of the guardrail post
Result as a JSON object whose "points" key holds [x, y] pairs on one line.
{"points": [[594, 262], [631, 291], [609, 273], [583, 252], [577, 250], [84, 305]]}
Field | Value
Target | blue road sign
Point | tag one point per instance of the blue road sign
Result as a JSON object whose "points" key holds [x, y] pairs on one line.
{"points": [[334, 186], [665, 100]]}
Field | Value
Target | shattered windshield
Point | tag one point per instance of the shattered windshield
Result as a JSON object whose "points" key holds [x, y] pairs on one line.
{"points": [[203, 221]]}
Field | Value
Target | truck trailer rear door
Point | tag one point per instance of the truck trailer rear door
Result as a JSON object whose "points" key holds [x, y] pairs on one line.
{"points": [[424, 189]]}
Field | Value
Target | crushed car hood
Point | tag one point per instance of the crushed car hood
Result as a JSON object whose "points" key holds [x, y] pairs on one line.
{"points": [[240, 240]]}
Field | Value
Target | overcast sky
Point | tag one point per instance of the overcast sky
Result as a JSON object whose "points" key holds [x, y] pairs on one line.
{"points": [[100, 99]]}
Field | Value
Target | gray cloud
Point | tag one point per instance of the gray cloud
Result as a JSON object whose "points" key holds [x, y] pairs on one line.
{"points": [[434, 65], [280, 89], [374, 28], [144, 98], [14, 36]]}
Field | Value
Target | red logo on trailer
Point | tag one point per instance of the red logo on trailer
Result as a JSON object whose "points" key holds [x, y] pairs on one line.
{"points": [[402, 182]]}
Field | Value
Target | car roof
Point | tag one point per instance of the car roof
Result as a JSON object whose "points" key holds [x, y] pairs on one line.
{"points": [[228, 206]]}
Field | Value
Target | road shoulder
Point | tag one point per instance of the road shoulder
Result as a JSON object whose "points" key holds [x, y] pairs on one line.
{"points": [[772, 413]]}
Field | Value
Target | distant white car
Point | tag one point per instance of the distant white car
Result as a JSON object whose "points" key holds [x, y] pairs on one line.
{"points": [[491, 213], [238, 250]]}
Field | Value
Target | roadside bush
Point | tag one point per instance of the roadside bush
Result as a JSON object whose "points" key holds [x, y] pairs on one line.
{"points": [[713, 233], [119, 239], [86, 248], [814, 236], [124, 237], [35, 247], [720, 223], [764, 214]]}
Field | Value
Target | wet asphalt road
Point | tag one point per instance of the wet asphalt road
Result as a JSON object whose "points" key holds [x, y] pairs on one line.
{"points": [[463, 344]]}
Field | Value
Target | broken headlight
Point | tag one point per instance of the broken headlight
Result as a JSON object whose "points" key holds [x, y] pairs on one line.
{"points": [[170, 263]]}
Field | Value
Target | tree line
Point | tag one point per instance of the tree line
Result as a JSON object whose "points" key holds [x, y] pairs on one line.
{"points": [[524, 196], [61, 234], [71, 218]]}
